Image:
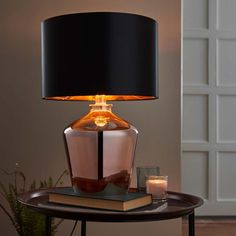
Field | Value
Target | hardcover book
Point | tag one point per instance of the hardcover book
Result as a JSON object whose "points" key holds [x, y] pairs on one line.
{"points": [[123, 202]]}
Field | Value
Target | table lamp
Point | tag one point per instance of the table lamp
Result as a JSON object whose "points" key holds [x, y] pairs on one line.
{"points": [[100, 57]]}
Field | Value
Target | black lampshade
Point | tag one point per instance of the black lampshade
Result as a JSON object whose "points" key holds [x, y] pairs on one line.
{"points": [[99, 53]]}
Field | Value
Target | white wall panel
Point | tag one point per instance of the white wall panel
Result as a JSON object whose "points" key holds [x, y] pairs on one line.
{"points": [[226, 14], [226, 61], [195, 14], [195, 173], [209, 103], [226, 119], [195, 118], [226, 176], [195, 54]]}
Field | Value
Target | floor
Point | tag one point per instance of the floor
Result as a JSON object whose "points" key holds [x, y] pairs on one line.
{"points": [[212, 227]]}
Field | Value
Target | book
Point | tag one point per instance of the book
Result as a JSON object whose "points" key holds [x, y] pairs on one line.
{"points": [[155, 207], [123, 202]]}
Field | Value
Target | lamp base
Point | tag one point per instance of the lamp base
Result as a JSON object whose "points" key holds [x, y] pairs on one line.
{"points": [[100, 148]]}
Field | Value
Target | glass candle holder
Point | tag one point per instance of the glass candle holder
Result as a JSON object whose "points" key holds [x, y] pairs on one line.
{"points": [[143, 172], [157, 186]]}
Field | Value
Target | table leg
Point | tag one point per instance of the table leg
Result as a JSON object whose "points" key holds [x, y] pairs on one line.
{"points": [[191, 224], [83, 228], [48, 224]]}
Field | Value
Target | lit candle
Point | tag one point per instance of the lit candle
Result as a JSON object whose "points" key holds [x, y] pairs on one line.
{"points": [[157, 186]]}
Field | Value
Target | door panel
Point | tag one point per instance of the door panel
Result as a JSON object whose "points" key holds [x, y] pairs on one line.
{"points": [[209, 104]]}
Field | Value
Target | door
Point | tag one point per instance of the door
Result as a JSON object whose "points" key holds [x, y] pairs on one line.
{"points": [[209, 104]]}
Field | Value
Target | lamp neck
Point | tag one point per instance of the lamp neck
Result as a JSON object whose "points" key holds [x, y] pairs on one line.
{"points": [[100, 104]]}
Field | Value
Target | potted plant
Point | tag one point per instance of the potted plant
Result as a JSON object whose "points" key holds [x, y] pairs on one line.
{"points": [[25, 221]]}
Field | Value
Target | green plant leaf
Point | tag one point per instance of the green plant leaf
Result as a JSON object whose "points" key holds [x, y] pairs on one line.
{"points": [[25, 221]]}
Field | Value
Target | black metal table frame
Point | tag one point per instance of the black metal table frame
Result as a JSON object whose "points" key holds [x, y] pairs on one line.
{"points": [[179, 205], [191, 225]]}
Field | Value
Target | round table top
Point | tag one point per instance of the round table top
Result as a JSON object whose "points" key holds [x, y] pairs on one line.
{"points": [[177, 205]]}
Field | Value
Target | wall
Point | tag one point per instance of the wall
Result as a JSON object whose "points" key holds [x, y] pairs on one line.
{"points": [[31, 129]]}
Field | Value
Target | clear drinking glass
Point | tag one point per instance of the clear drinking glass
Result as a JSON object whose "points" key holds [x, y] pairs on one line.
{"points": [[142, 173]]}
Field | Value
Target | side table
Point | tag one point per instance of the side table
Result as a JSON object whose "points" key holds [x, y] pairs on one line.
{"points": [[178, 205]]}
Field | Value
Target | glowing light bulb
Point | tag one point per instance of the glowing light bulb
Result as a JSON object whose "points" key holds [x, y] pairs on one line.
{"points": [[101, 121]]}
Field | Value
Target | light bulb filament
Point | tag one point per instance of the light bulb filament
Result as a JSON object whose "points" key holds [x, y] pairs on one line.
{"points": [[101, 121]]}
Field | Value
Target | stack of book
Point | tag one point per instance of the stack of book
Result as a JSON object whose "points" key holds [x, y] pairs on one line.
{"points": [[124, 202]]}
